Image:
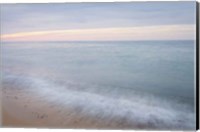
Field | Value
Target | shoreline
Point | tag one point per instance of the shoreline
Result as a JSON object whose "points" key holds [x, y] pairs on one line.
{"points": [[28, 111], [38, 104]]}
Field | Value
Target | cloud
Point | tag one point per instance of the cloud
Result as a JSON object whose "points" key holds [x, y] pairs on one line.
{"points": [[161, 32], [36, 17]]}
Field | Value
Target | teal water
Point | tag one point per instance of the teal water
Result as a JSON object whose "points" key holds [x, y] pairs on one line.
{"points": [[161, 72]]}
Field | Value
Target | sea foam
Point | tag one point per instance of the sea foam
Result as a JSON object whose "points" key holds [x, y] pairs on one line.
{"points": [[138, 111]]}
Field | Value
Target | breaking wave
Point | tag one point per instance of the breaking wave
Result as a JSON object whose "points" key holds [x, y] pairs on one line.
{"points": [[135, 110]]}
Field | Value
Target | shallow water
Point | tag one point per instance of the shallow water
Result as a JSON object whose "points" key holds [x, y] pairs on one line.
{"points": [[145, 82]]}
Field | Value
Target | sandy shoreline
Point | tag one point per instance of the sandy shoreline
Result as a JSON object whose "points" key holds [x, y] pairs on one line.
{"points": [[14, 114], [9, 121], [37, 103], [23, 109]]}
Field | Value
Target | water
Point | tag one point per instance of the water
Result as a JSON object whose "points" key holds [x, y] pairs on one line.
{"points": [[153, 80]]}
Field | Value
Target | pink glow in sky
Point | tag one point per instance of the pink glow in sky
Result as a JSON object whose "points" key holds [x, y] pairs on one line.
{"points": [[164, 32], [102, 21]]}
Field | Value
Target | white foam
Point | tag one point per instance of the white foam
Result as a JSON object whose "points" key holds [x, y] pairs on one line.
{"points": [[147, 111]]}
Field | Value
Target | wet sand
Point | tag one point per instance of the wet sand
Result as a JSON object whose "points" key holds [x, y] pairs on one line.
{"points": [[25, 109], [15, 112], [20, 112], [36, 103]]}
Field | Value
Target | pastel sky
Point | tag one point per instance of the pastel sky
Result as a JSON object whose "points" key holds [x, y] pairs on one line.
{"points": [[98, 21]]}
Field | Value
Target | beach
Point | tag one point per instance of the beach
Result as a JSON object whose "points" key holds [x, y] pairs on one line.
{"points": [[24, 106], [118, 65], [25, 109]]}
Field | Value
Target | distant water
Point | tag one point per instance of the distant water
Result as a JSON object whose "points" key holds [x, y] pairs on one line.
{"points": [[156, 78]]}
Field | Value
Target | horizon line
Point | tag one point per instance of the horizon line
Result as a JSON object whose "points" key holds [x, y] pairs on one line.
{"points": [[99, 40]]}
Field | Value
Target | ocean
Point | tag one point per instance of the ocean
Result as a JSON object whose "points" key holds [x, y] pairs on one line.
{"points": [[146, 82]]}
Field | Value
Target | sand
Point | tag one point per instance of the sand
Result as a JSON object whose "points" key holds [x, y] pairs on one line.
{"points": [[22, 108], [48, 106], [23, 111]]}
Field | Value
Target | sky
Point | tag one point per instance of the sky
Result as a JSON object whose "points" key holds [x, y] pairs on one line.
{"points": [[98, 21]]}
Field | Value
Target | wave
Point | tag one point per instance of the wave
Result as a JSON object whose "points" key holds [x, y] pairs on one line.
{"points": [[138, 111]]}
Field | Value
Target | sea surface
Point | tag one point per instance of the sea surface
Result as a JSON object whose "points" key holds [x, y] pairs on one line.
{"points": [[149, 82]]}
